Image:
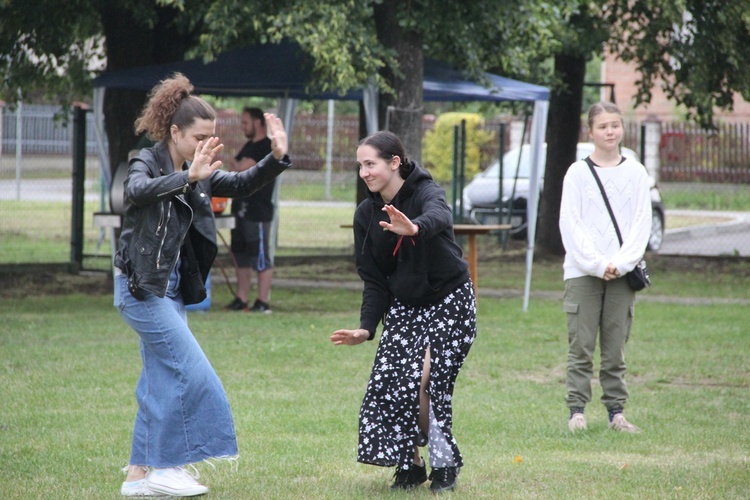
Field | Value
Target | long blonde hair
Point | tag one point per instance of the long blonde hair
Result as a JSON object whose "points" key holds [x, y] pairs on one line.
{"points": [[170, 103]]}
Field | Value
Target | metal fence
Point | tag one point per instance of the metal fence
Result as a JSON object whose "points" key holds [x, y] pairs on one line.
{"points": [[690, 154], [318, 196], [41, 130]]}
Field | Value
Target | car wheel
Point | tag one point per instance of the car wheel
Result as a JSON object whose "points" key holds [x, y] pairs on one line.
{"points": [[657, 231], [518, 232]]}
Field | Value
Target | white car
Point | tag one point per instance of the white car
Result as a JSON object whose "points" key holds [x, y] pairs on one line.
{"points": [[480, 196]]}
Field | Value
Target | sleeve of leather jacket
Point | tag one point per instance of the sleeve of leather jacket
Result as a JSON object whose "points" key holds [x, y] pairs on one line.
{"points": [[142, 188], [247, 182]]}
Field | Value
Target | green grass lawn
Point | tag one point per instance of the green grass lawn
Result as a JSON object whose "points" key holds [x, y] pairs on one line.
{"points": [[69, 364], [35, 232]]}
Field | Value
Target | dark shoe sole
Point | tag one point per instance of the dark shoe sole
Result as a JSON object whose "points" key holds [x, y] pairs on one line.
{"points": [[443, 489], [236, 306]]}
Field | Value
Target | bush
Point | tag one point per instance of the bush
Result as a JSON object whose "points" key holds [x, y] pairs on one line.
{"points": [[438, 145]]}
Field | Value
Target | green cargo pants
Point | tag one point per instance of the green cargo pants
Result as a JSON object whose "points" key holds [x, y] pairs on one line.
{"points": [[595, 307]]}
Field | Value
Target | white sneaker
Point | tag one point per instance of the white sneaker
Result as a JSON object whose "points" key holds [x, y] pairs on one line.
{"points": [[619, 423], [174, 481], [137, 488], [577, 422]]}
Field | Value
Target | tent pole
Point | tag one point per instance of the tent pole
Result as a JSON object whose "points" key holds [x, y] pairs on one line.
{"points": [[538, 130]]}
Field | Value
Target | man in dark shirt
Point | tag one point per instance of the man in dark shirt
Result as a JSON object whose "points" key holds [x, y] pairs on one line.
{"points": [[253, 217]]}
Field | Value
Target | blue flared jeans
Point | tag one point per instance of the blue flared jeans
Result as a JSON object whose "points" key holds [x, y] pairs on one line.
{"points": [[183, 413]]}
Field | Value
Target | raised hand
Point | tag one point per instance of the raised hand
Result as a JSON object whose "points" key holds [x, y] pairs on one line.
{"points": [[277, 134], [203, 163], [400, 223]]}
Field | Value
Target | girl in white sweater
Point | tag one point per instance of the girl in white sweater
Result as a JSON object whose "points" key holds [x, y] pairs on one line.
{"points": [[597, 299]]}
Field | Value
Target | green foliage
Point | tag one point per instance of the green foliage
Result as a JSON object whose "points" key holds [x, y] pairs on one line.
{"points": [[509, 38], [697, 50], [48, 47], [438, 145], [339, 36], [592, 93]]}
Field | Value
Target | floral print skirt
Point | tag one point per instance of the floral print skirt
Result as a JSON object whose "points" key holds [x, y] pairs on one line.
{"points": [[388, 417]]}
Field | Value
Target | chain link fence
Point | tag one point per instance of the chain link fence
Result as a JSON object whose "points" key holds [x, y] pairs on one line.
{"points": [[706, 195]]}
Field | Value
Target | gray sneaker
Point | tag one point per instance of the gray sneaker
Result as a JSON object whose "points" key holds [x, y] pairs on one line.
{"points": [[577, 422], [619, 423]]}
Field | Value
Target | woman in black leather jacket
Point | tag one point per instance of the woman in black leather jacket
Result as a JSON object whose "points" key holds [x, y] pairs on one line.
{"points": [[165, 250]]}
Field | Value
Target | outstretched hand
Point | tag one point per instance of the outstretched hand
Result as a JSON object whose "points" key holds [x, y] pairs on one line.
{"points": [[349, 337], [277, 134], [400, 223], [203, 163]]}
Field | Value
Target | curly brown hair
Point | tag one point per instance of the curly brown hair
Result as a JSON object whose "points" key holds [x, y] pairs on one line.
{"points": [[170, 103]]}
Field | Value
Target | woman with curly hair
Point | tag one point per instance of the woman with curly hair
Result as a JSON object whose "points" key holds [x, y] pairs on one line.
{"points": [[165, 251]]}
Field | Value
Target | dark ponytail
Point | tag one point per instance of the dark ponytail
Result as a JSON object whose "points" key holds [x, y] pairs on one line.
{"points": [[388, 145]]}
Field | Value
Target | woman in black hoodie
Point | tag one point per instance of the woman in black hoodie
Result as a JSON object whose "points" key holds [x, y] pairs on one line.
{"points": [[417, 282]]}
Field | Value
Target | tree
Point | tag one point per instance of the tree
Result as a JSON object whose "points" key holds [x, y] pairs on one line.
{"points": [[51, 45], [47, 47], [697, 49], [351, 43], [582, 36]]}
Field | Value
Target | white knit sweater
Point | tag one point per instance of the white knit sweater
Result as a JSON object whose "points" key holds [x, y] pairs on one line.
{"points": [[587, 231]]}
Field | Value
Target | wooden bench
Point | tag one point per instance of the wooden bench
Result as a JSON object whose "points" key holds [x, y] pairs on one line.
{"points": [[471, 231]]}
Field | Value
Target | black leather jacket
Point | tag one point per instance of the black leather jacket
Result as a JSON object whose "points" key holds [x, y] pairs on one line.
{"points": [[162, 208]]}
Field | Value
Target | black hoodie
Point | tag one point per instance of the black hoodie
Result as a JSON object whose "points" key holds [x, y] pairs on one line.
{"points": [[419, 270]]}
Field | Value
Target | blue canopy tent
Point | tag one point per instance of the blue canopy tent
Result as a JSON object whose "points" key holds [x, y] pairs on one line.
{"points": [[283, 71]]}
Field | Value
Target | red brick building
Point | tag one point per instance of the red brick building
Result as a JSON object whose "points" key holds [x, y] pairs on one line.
{"points": [[624, 76]]}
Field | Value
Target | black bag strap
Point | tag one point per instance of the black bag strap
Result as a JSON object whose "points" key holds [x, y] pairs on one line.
{"points": [[604, 195]]}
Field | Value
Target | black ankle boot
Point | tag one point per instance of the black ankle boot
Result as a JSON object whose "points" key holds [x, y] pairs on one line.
{"points": [[408, 479], [443, 479]]}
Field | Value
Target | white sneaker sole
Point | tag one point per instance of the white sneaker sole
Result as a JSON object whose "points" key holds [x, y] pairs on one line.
{"points": [[190, 491]]}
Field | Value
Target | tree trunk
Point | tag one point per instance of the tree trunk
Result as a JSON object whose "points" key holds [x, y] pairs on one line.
{"points": [[131, 44], [564, 120], [401, 113], [361, 186]]}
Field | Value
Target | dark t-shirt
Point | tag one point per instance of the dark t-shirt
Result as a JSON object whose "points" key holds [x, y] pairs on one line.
{"points": [[259, 206]]}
